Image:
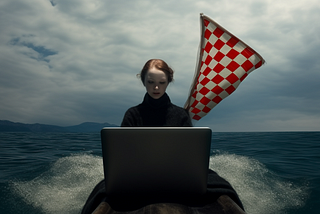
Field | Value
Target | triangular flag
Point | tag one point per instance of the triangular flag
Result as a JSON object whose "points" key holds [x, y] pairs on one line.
{"points": [[224, 62]]}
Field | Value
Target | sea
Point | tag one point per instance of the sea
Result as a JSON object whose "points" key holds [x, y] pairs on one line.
{"points": [[272, 172]]}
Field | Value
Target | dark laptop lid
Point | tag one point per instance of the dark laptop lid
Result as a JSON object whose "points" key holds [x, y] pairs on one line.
{"points": [[158, 160]]}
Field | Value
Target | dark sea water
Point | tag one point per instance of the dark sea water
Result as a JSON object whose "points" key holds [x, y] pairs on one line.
{"points": [[273, 172]]}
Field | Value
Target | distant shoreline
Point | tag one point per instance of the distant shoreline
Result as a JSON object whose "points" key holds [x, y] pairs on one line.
{"points": [[9, 126]]}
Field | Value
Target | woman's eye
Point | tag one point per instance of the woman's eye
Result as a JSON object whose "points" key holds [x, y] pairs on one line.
{"points": [[150, 82], [162, 83]]}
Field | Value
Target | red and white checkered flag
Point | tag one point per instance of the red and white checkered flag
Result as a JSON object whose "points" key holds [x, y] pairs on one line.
{"points": [[224, 62]]}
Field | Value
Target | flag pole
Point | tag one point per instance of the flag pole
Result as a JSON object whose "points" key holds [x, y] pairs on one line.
{"points": [[198, 63]]}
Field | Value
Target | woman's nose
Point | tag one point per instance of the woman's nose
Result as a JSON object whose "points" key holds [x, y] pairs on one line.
{"points": [[156, 87]]}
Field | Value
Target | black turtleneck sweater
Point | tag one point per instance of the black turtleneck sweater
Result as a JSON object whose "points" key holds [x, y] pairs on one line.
{"points": [[156, 112]]}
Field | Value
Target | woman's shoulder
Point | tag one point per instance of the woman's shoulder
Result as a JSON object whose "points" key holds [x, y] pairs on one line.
{"points": [[179, 110], [132, 110], [131, 117], [135, 111], [180, 115]]}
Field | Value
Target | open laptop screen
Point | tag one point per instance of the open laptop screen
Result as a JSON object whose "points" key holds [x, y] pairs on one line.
{"points": [[155, 160]]}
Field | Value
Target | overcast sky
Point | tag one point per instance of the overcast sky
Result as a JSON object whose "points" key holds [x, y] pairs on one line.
{"points": [[64, 62]]}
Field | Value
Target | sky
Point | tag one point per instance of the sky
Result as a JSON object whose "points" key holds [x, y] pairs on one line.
{"points": [[65, 62]]}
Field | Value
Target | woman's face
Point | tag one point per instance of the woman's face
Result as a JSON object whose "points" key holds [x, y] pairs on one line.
{"points": [[156, 83]]}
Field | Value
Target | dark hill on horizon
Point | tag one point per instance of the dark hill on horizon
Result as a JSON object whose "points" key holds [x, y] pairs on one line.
{"points": [[9, 126]]}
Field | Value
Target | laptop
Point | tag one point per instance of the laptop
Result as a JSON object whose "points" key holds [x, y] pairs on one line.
{"points": [[155, 160]]}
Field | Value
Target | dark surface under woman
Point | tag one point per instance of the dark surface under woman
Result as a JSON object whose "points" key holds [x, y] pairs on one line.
{"points": [[216, 187]]}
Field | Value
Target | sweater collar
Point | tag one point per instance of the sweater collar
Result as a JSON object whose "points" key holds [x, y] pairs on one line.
{"points": [[157, 103]]}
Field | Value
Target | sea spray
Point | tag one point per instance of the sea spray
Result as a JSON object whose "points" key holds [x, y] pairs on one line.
{"points": [[260, 190], [65, 187]]}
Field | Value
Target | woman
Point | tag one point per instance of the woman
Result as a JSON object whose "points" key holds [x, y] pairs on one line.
{"points": [[156, 108]]}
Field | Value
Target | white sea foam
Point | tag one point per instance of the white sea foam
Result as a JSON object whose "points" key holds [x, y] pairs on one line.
{"points": [[65, 187], [260, 190]]}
